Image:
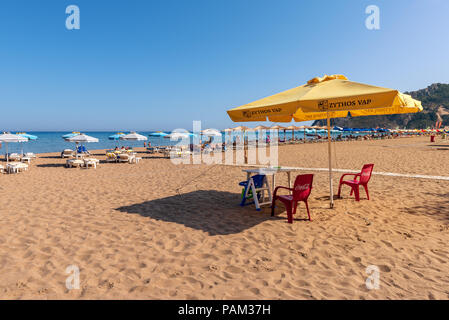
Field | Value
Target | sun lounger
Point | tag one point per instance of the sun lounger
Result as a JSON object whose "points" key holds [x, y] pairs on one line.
{"points": [[111, 157], [123, 157], [82, 149], [152, 150], [91, 162], [2, 169], [67, 153], [14, 157], [16, 167], [74, 163], [26, 159], [134, 159], [30, 155]]}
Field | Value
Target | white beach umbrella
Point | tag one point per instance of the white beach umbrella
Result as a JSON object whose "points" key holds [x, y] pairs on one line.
{"points": [[133, 136], [8, 137], [179, 135], [211, 132], [81, 138]]}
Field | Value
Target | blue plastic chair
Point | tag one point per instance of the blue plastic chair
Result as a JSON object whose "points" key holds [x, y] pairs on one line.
{"points": [[258, 182]]}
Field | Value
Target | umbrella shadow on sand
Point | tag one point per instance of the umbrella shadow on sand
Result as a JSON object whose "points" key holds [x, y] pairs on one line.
{"points": [[51, 165], [50, 157], [214, 212]]}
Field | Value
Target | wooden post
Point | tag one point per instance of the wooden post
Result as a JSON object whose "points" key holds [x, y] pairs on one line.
{"points": [[330, 160]]}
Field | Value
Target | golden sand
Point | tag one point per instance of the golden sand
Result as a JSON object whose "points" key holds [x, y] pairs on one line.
{"points": [[134, 237]]}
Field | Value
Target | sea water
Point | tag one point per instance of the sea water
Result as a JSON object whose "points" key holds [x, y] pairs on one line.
{"points": [[53, 141]]}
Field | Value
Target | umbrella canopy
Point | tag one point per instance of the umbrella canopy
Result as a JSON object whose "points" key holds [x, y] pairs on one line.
{"points": [[293, 128], [258, 128], [332, 96], [8, 137], [69, 135], [278, 128], [158, 134], [325, 98], [239, 128], [179, 135], [26, 135], [116, 136], [211, 132], [133, 136], [81, 138]]}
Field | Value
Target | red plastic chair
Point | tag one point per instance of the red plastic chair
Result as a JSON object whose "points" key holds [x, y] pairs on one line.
{"points": [[300, 192], [363, 179]]}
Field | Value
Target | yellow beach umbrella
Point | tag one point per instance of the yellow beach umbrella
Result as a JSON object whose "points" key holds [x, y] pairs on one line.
{"points": [[325, 98]]}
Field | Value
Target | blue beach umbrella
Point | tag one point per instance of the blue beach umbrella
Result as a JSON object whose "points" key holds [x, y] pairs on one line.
{"points": [[26, 135], [159, 134], [116, 136], [70, 135]]}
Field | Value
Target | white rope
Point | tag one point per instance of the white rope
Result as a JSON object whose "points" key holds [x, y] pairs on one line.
{"points": [[389, 174]]}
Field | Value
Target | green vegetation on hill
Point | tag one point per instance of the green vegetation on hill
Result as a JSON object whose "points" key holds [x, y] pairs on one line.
{"points": [[435, 101]]}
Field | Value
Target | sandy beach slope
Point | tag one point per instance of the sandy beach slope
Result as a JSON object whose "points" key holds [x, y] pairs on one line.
{"points": [[133, 236]]}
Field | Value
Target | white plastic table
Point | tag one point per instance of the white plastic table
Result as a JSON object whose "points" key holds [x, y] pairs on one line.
{"points": [[271, 171]]}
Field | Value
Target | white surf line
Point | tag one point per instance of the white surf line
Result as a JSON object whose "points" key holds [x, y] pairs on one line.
{"points": [[389, 174]]}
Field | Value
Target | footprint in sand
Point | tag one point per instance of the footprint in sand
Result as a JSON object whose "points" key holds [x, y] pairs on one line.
{"points": [[384, 268], [176, 274], [212, 268], [339, 262], [234, 269], [42, 291], [387, 243]]}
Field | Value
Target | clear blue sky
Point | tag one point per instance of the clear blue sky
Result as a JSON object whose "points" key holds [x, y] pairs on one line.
{"points": [[149, 65]]}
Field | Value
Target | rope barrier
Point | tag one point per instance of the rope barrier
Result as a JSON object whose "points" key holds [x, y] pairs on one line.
{"points": [[203, 173]]}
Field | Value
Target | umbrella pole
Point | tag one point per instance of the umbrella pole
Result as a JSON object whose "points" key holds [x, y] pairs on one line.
{"points": [[7, 156], [329, 139]]}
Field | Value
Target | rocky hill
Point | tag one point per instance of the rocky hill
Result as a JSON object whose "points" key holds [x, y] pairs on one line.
{"points": [[435, 101]]}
